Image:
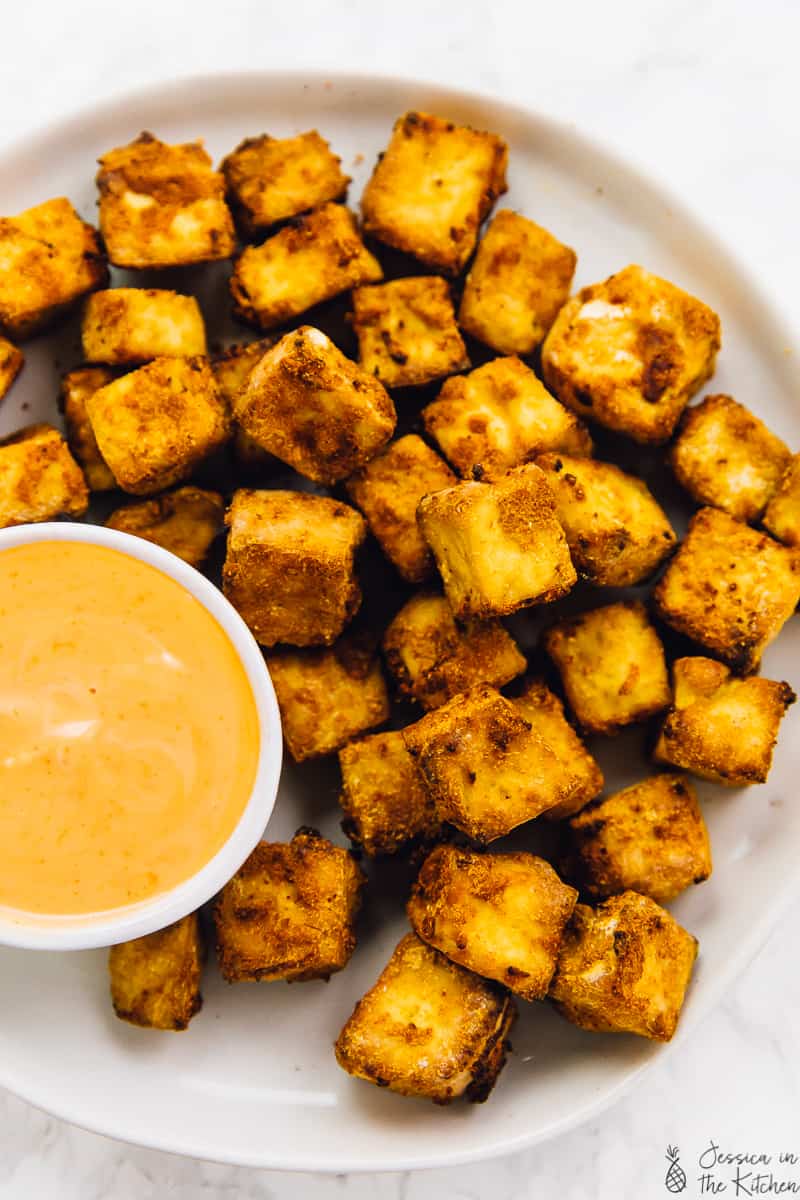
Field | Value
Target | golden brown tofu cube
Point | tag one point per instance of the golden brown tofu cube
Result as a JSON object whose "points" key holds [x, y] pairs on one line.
{"points": [[782, 516], [162, 205], [39, 478], [545, 712], [123, 326], [612, 666], [271, 179], [624, 967], [185, 522], [313, 408], [49, 258], [729, 588], [649, 838], [154, 425], [484, 765], [289, 912], [720, 727], [433, 659], [290, 566], [498, 417], [498, 546], [11, 362], [385, 802], [519, 280], [432, 188], [428, 1028], [76, 387], [388, 491], [155, 980], [617, 532], [327, 697], [232, 367], [310, 260], [630, 353], [407, 332], [500, 915]]}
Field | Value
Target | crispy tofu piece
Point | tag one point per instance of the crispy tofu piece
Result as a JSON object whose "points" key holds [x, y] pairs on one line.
{"points": [[782, 516], [327, 697], [500, 915], [313, 408], [649, 838], [185, 522], [232, 367], [407, 332], [630, 353], [154, 425], [162, 205], [290, 566], [432, 188], [124, 326], [612, 666], [39, 478], [385, 802], [428, 1028], [519, 280], [388, 490], [729, 588], [155, 980], [545, 712], [484, 765], [11, 363], [624, 967], [76, 387], [271, 179], [289, 912], [433, 659], [498, 546], [308, 261], [720, 727], [49, 259], [617, 532], [500, 416]]}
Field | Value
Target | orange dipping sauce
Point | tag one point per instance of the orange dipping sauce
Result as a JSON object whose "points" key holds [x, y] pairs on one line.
{"points": [[129, 735]]}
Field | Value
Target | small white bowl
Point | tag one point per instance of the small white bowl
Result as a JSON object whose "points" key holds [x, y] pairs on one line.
{"points": [[78, 932]]}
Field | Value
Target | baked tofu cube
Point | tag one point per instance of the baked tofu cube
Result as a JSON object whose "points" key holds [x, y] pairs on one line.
{"points": [[519, 280], [76, 387], [500, 915], [185, 522], [428, 1028], [308, 261], [433, 659], [407, 332], [290, 566], [313, 408], [271, 179], [782, 516], [721, 727], [624, 967], [385, 802], [729, 588], [232, 367], [124, 326], [612, 666], [500, 416], [162, 205], [39, 478], [617, 532], [630, 353], [289, 912], [498, 546], [49, 258], [484, 765], [154, 425], [11, 362], [545, 712], [155, 980], [649, 838], [432, 188], [327, 697]]}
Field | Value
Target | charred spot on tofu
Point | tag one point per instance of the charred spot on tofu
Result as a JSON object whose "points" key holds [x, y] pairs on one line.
{"points": [[407, 332], [155, 980], [185, 522], [11, 363], [76, 387], [384, 799], [782, 516], [39, 478], [123, 326]]}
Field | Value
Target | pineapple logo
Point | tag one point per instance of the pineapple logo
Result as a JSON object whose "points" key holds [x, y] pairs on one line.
{"points": [[675, 1179]]}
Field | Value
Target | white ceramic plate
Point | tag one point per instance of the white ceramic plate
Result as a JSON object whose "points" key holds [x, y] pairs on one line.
{"points": [[254, 1079]]}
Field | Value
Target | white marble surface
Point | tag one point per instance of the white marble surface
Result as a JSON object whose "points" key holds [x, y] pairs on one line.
{"points": [[705, 95]]}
